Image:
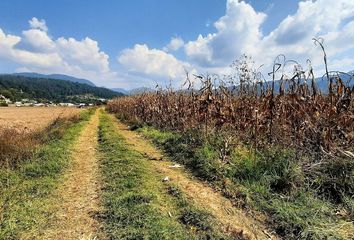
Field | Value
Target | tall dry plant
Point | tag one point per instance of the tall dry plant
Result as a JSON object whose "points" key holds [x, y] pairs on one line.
{"points": [[289, 111]]}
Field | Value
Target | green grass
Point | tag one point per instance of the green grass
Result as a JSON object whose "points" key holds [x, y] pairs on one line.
{"points": [[25, 191], [269, 181], [138, 205]]}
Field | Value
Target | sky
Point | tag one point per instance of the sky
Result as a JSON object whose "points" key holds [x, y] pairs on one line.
{"points": [[135, 43]]}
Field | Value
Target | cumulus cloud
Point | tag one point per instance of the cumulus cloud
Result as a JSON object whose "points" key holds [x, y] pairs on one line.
{"points": [[85, 53], [175, 44], [153, 62], [9, 51], [237, 31], [7, 41], [36, 51], [240, 31], [37, 40], [321, 18], [38, 24], [312, 17]]}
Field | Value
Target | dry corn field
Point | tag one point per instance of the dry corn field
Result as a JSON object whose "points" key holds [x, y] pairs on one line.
{"points": [[301, 117], [289, 110], [31, 118]]}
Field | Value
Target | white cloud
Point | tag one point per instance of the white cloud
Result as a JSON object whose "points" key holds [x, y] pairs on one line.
{"points": [[175, 44], [343, 64], [312, 18], [38, 24], [200, 51], [237, 32], [153, 62], [7, 41], [9, 51], [321, 18], [340, 40], [38, 52], [38, 40], [240, 31], [85, 53]]}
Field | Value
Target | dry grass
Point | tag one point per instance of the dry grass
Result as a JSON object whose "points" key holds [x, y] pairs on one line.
{"points": [[289, 110], [23, 129], [32, 118], [16, 145]]}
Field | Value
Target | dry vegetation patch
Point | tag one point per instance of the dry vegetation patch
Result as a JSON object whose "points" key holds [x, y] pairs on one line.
{"points": [[32, 118], [23, 129]]}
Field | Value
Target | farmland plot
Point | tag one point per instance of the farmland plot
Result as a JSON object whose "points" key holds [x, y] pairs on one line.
{"points": [[31, 118]]}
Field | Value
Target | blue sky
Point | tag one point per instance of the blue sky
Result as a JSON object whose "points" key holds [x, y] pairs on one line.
{"points": [[143, 42]]}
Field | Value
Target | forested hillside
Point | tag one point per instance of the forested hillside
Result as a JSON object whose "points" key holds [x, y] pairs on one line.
{"points": [[18, 87], [56, 76]]}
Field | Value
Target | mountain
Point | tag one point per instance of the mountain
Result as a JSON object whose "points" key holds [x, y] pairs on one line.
{"points": [[133, 91], [140, 90], [45, 89], [55, 76], [322, 82], [121, 90]]}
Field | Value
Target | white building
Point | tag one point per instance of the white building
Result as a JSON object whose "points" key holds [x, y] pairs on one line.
{"points": [[6, 100]]}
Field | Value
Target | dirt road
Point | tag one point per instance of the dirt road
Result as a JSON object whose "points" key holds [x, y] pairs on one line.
{"points": [[229, 217], [78, 196]]}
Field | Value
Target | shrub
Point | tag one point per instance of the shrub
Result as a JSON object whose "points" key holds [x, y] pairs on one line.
{"points": [[16, 145]]}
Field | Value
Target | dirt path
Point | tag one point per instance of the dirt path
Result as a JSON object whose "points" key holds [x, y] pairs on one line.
{"points": [[78, 196], [230, 218]]}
